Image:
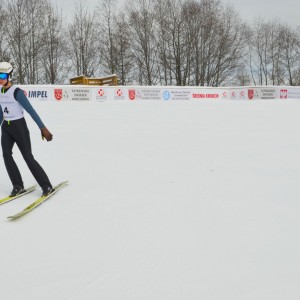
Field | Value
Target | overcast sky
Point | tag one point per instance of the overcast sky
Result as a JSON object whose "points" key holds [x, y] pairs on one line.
{"points": [[287, 11]]}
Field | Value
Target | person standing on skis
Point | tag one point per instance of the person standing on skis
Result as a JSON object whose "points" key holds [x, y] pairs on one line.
{"points": [[15, 131]]}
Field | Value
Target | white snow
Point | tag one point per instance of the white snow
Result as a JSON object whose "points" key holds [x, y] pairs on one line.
{"points": [[166, 201]]}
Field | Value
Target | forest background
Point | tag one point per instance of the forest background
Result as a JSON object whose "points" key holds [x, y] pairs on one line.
{"points": [[147, 42]]}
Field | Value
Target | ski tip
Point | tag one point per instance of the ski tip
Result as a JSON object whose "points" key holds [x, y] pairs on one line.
{"points": [[12, 218], [64, 182]]}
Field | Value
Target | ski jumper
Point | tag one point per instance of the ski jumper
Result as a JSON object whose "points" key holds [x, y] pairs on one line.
{"points": [[14, 130]]}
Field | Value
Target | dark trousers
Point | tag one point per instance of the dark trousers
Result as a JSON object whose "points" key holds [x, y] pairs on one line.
{"points": [[17, 132]]}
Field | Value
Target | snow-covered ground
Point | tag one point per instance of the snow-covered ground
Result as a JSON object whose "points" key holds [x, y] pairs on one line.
{"points": [[166, 201]]}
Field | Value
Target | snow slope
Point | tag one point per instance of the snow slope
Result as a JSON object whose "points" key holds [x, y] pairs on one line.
{"points": [[166, 201]]}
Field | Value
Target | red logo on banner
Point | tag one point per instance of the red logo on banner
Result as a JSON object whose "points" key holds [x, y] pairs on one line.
{"points": [[131, 94], [101, 92], [58, 94], [119, 92], [250, 94], [283, 94]]}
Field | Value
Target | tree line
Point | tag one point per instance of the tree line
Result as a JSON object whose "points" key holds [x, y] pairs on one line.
{"points": [[147, 42]]}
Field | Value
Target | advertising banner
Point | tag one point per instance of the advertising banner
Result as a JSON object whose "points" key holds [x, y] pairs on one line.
{"points": [[175, 94], [37, 92], [155, 93], [144, 93], [119, 93], [290, 93], [202, 94], [78, 93], [267, 93], [102, 93]]}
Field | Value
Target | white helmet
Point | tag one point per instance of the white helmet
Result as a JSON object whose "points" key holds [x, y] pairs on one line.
{"points": [[6, 67]]}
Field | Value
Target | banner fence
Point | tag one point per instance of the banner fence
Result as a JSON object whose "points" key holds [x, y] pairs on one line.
{"points": [[154, 93]]}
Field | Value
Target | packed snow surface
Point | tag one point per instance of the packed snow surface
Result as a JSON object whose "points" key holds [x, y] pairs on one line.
{"points": [[166, 201]]}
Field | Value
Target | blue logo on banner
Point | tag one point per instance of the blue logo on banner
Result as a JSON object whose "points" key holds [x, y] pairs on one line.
{"points": [[166, 95], [37, 94]]}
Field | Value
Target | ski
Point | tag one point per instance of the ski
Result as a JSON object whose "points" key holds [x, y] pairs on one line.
{"points": [[9, 198], [37, 202]]}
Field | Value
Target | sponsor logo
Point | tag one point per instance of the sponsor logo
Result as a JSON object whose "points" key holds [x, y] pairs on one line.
{"points": [[208, 96], [80, 94], [101, 92], [119, 92], [283, 94], [268, 93], [131, 94], [198, 96], [37, 94], [147, 94], [58, 94], [166, 95], [250, 94], [293, 93]]}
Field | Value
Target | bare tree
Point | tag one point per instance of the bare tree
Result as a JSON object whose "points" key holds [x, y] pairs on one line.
{"points": [[290, 54], [35, 11], [4, 54], [174, 40], [230, 48], [142, 37], [199, 42], [106, 24], [82, 36], [17, 35], [54, 50], [25, 37], [275, 53], [123, 50], [163, 42], [180, 42]]}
